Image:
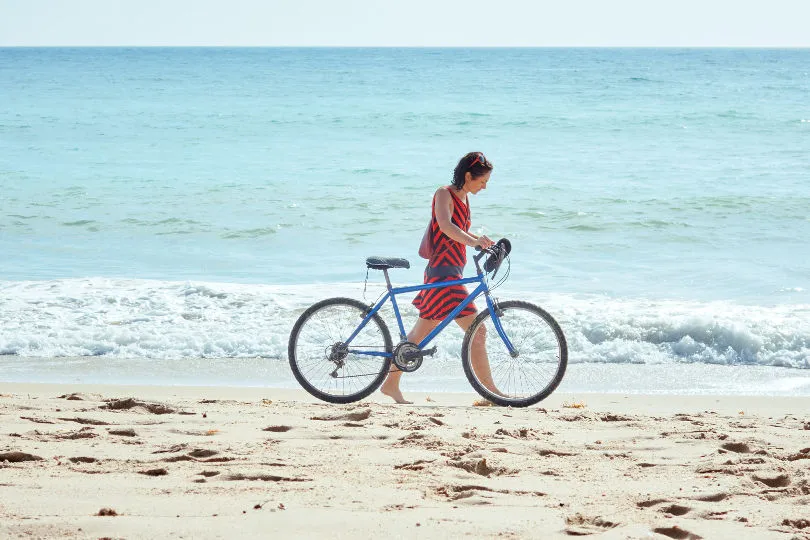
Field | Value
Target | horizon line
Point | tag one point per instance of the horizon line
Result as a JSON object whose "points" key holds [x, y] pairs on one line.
{"points": [[159, 46]]}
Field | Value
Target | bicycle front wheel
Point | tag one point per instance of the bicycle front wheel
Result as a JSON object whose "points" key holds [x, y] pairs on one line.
{"points": [[328, 368], [524, 375]]}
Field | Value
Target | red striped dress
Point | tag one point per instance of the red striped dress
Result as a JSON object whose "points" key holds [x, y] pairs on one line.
{"points": [[446, 264]]}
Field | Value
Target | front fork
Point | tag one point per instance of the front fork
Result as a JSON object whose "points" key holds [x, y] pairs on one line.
{"points": [[496, 313], [492, 304]]}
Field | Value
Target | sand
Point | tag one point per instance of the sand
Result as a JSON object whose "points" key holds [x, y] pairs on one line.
{"points": [[79, 461]]}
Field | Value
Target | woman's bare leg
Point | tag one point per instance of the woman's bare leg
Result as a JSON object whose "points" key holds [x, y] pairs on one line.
{"points": [[391, 385], [478, 353]]}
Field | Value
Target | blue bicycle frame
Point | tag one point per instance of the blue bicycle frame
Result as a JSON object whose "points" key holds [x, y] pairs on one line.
{"points": [[394, 291]]}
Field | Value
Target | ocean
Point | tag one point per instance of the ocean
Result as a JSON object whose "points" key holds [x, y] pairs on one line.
{"points": [[167, 213]]}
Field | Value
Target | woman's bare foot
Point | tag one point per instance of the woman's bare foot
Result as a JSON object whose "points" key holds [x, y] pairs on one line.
{"points": [[396, 394], [494, 389]]}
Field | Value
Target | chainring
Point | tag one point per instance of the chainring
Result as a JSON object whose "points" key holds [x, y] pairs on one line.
{"points": [[404, 357]]}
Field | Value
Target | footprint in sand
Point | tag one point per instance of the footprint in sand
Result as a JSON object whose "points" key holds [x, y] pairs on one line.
{"points": [[415, 466], [615, 418], [264, 478], [36, 420], [711, 497], [677, 533], [557, 453], [420, 440], [123, 432], [18, 457], [800, 524], [804, 453], [200, 453], [154, 472], [481, 467], [580, 525], [719, 515], [454, 493], [217, 460], [84, 433], [78, 396], [396, 507], [776, 480], [278, 429], [88, 421], [651, 502], [574, 418], [737, 447], [130, 403], [351, 417], [175, 459], [83, 459], [171, 449], [522, 433], [458, 453], [676, 510]]}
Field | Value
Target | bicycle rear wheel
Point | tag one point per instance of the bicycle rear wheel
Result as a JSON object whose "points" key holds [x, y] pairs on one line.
{"points": [[530, 374], [324, 365]]}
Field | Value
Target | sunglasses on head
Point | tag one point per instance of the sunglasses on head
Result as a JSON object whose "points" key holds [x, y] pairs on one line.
{"points": [[478, 159]]}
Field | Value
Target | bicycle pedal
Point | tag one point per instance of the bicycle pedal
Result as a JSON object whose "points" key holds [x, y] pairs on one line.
{"points": [[411, 355]]}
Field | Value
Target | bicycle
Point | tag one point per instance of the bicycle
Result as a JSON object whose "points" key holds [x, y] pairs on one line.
{"points": [[340, 360]]}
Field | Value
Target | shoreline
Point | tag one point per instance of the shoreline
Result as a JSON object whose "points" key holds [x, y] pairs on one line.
{"points": [[598, 401], [214, 462], [439, 377]]}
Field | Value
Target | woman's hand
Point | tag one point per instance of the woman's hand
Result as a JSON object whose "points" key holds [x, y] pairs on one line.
{"points": [[483, 242]]}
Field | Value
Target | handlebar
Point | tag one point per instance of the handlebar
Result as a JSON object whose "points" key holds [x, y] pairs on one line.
{"points": [[497, 253], [482, 252]]}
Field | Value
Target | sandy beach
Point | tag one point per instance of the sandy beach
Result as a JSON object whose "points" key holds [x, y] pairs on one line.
{"points": [[90, 461]]}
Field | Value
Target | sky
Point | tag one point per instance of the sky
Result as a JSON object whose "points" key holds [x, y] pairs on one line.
{"points": [[414, 23]]}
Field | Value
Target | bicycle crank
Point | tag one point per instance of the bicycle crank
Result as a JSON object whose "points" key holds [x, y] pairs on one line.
{"points": [[408, 356]]}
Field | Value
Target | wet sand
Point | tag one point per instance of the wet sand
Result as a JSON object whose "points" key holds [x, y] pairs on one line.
{"points": [[91, 461]]}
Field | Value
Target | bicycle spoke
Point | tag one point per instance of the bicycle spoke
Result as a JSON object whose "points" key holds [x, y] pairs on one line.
{"points": [[319, 350], [538, 366]]}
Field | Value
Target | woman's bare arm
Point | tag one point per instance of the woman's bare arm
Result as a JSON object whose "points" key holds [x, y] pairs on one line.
{"points": [[444, 217]]}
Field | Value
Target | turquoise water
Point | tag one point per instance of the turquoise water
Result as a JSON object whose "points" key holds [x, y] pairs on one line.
{"points": [[656, 199]]}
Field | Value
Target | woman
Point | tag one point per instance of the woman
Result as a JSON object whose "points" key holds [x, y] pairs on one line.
{"points": [[450, 232]]}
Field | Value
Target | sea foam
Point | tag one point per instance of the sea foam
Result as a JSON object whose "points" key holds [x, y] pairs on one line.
{"points": [[129, 318]]}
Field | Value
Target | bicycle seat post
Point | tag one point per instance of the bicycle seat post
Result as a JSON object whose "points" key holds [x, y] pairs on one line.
{"points": [[387, 280]]}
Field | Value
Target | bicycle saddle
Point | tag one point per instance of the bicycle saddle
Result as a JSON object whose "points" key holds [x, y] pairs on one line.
{"points": [[384, 263]]}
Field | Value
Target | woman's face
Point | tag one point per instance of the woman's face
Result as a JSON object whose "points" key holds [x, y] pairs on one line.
{"points": [[476, 184]]}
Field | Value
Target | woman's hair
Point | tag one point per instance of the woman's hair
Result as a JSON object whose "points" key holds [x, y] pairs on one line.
{"points": [[475, 163]]}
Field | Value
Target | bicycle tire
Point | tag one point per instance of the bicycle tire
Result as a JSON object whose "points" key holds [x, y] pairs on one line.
{"points": [[296, 353], [551, 332]]}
